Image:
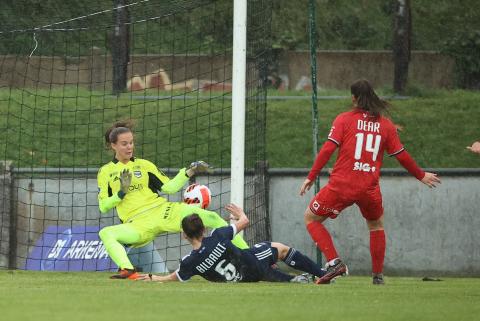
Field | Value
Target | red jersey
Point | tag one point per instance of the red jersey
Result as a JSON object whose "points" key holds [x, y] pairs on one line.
{"points": [[362, 140]]}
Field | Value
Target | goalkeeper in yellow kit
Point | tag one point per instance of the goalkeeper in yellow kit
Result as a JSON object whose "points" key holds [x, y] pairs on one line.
{"points": [[131, 185]]}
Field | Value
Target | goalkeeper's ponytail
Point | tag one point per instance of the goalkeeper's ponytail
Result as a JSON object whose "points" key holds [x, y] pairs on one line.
{"points": [[119, 127]]}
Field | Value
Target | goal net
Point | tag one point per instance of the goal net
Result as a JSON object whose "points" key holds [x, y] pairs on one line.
{"points": [[75, 68]]}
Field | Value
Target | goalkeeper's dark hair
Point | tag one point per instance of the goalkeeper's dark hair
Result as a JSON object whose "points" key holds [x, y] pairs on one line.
{"points": [[119, 127], [367, 99], [192, 226]]}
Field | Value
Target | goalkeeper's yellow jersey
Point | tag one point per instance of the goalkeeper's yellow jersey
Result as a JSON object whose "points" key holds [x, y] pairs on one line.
{"points": [[142, 195]]}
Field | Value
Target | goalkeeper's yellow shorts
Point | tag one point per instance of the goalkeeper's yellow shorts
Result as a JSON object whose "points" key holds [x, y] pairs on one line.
{"points": [[168, 218]]}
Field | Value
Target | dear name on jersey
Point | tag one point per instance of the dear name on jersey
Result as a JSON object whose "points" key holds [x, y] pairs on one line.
{"points": [[368, 126]]}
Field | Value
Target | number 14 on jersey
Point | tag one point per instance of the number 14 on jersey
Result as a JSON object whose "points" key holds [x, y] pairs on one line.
{"points": [[372, 145]]}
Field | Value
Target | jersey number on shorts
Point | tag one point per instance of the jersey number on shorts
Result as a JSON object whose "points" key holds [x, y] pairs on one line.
{"points": [[369, 145], [229, 270]]}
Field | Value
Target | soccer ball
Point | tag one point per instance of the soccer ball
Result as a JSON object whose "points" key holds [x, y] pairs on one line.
{"points": [[198, 195]]}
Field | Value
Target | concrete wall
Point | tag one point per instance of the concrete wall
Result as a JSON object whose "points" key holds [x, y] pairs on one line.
{"points": [[336, 69], [95, 71], [429, 231]]}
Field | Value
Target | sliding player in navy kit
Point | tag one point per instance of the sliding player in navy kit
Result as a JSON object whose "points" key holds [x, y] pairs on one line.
{"points": [[216, 259]]}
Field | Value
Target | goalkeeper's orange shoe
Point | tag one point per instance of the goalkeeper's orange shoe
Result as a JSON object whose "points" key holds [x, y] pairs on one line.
{"points": [[126, 274]]}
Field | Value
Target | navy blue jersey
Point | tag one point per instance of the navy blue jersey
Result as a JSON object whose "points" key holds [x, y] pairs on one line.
{"points": [[218, 260]]}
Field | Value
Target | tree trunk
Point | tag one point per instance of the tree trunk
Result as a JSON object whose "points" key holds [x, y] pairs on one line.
{"points": [[120, 47], [401, 44]]}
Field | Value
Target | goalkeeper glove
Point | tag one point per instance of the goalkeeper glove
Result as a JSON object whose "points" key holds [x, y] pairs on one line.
{"points": [[199, 167], [125, 180]]}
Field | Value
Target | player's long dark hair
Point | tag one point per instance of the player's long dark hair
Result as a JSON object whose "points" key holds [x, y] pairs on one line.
{"points": [[119, 127], [192, 226], [367, 99]]}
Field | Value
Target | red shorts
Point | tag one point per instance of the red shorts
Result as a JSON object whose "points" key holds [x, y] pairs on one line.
{"points": [[330, 203]]}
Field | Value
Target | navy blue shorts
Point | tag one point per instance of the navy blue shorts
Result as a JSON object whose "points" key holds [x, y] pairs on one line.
{"points": [[265, 253], [262, 257]]}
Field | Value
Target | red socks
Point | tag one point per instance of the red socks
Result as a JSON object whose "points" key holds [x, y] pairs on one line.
{"points": [[323, 240], [377, 250]]}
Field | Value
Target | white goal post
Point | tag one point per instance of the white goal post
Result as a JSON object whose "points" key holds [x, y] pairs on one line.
{"points": [[238, 101]]}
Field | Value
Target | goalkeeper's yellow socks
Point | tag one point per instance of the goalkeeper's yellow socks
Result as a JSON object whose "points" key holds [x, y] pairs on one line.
{"points": [[113, 237]]}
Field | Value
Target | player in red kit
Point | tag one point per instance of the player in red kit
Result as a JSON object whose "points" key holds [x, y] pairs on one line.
{"points": [[362, 136]]}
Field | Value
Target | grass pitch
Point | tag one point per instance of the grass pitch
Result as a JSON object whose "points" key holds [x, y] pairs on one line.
{"points": [[51, 296]]}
